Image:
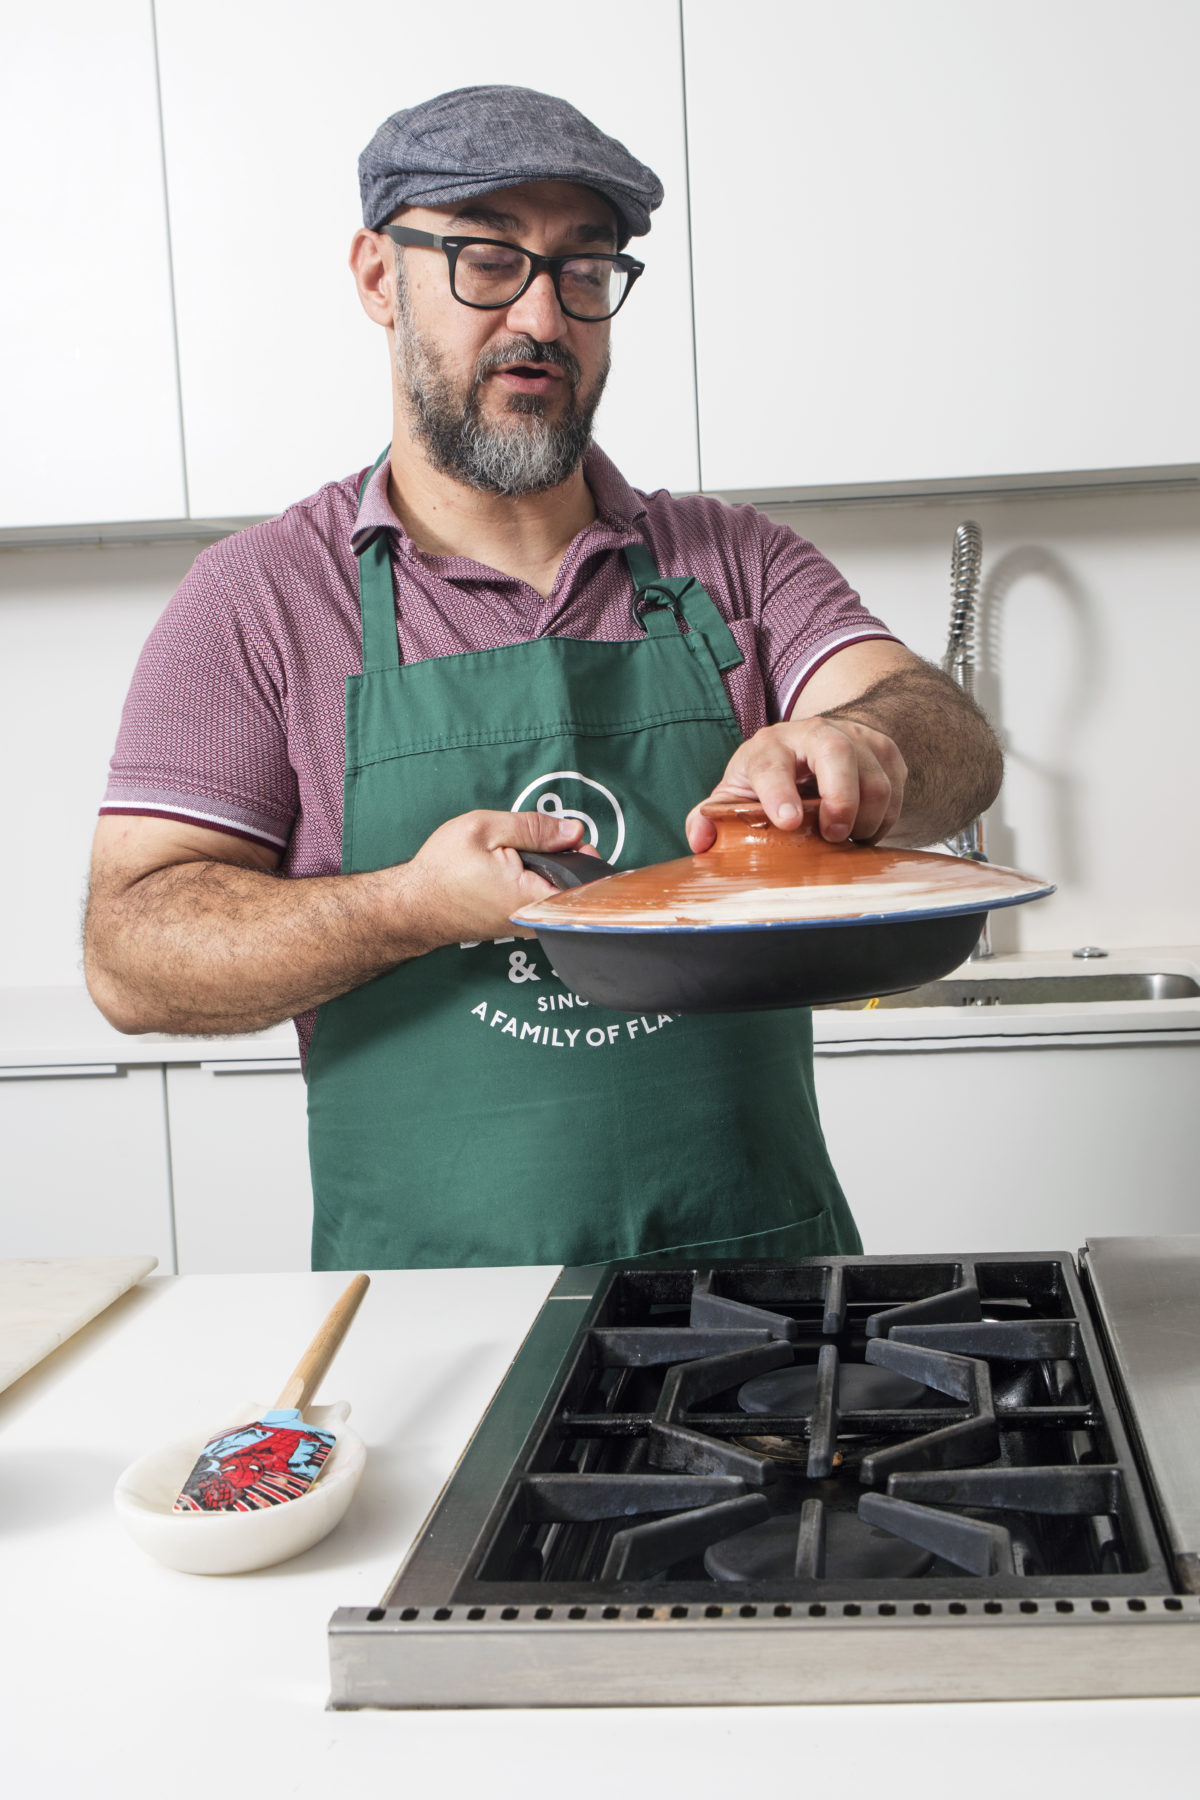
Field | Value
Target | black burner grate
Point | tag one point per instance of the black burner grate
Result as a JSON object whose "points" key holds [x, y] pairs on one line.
{"points": [[1004, 1470]]}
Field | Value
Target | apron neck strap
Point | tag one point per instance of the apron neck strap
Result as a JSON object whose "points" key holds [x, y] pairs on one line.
{"points": [[659, 596], [376, 595], [662, 603]]}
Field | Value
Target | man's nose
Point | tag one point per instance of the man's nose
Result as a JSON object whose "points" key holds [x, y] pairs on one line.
{"points": [[537, 313]]}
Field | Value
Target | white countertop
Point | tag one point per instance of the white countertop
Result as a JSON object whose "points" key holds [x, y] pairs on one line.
{"points": [[59, 1028], [121, 1677]]}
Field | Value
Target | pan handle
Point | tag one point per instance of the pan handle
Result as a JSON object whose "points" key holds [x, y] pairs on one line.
{"points": [[568, 869]]}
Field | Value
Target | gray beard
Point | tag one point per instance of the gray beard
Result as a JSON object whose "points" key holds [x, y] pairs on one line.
{"points": [[493, 458]]}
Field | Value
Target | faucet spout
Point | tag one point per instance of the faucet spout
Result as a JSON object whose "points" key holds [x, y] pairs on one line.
{"points": [[966, 563]]}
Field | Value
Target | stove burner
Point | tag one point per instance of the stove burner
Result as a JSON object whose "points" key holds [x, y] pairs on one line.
{"points": [[788, 1451], [861, 1388], [853, 1551]]}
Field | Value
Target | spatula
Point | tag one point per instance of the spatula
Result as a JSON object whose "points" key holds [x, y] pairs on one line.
{"points": [[277, 1457]]}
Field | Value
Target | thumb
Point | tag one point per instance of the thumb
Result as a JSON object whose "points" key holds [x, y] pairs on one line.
{"points": [[543, 831]]}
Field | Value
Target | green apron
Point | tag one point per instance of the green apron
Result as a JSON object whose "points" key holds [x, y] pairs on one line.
{"points": [[467, 1108]]}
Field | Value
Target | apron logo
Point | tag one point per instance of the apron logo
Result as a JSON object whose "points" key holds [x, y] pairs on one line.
{"points": [[599, 823]]}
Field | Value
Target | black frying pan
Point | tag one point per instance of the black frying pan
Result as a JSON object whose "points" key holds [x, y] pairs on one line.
{"points": [[743, 968]]}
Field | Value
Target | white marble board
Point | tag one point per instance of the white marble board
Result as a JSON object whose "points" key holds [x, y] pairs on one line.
{"points": [[44, 1300]]}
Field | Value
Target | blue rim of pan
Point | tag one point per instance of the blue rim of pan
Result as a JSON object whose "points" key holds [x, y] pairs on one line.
{"points": [[680, 927]]}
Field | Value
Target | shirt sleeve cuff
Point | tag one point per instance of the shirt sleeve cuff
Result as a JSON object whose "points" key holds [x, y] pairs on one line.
{"points": [[209, 821], [793, 684]]}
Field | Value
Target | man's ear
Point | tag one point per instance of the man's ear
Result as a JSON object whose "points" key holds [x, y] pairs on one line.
{"points": [[374, 276]]}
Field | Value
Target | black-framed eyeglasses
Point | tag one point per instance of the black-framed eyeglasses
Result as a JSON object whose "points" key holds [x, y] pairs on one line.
{"points": [[488, 274]]}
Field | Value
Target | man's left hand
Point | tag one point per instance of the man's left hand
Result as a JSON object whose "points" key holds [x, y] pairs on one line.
{"points": [[858, 772]]}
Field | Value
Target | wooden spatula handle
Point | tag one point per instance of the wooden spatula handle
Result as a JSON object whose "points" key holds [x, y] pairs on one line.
{"points": [[306, 1376]]}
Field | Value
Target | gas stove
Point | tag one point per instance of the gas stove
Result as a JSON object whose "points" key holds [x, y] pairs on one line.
{"points": [[852, 1478]]}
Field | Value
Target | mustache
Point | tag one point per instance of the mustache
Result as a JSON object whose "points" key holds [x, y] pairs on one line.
{"points": [[503, 356]]}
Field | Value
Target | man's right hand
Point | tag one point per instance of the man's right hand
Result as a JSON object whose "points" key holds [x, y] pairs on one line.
{"points": [[467, 879], [191, 930]]}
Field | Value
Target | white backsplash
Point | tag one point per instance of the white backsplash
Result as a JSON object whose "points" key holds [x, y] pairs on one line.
{"points": [[1089, 652]]}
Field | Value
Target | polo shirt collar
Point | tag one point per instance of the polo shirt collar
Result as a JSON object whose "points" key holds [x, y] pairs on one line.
{"points": [[375, 512], [617, 504]]}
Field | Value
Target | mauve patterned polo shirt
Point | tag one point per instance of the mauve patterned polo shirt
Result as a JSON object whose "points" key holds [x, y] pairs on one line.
{"points": [[235, 718]]}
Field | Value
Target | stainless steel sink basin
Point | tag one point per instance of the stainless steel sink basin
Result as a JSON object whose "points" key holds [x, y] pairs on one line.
{"points": [[1040, 990]]}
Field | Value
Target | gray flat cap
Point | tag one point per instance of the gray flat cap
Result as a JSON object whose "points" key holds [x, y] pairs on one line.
{"points": [[476, 140]]}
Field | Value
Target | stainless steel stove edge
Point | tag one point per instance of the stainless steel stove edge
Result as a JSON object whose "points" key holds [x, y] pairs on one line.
{"points": [[1146, 1292], [922, 1651]]}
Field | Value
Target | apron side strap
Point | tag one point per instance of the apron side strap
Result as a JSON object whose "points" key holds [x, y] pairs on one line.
{"points": [[700, 611], [641, 567]]}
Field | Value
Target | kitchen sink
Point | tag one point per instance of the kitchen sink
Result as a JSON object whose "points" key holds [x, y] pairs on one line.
{"points": [[1038, 990]]}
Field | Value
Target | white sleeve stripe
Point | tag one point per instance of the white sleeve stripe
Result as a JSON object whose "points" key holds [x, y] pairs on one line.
{"points": [[825, 649], [176, 811]]}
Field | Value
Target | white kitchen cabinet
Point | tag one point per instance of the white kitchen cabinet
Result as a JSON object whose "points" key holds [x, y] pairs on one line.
{"points": [[87, 358], [1020, 1148], [239, 1160], [83, 1162], [940, 242], [285, 383]]}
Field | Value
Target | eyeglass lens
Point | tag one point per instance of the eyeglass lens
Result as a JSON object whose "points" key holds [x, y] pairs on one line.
{"points": [[590, 287]]}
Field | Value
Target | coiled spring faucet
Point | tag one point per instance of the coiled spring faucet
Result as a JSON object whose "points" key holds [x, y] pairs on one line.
{"points": [[966, 562]]}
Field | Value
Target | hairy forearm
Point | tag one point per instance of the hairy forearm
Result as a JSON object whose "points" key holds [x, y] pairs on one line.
{"points": [[212, 947], [954, 763]]}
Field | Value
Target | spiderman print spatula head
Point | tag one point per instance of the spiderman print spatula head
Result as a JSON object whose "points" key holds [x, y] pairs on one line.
{"points": [[278, 1457]]}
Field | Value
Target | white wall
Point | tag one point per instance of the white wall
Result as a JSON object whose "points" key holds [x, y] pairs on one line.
{"points": [[71, 624], [1091, 647]]}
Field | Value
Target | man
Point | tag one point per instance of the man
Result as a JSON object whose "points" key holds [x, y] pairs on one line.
{"points": [[391, 691]]}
